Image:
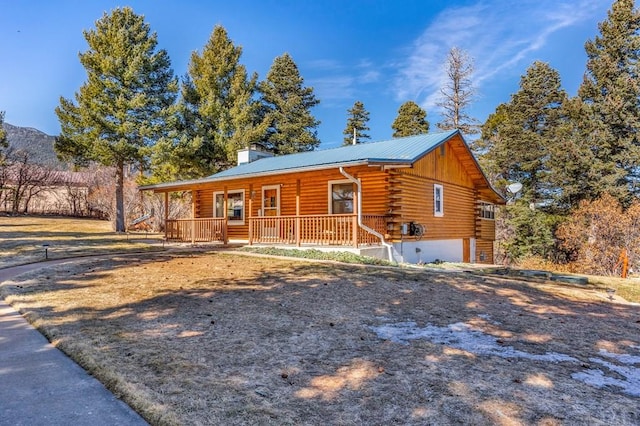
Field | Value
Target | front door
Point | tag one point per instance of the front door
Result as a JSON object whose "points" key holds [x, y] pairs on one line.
{"points": [[270, 209]]}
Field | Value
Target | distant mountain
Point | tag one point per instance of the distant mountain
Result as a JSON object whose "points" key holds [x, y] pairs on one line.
{"points": [[37, 143]]}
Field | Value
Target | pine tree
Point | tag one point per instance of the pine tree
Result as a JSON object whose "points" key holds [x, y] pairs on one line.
{"points": [[574, 172], [525, 232], [356, 123], [290, 125], [3, 136], [611, 92], [218, 109], [517, 139], [411, 120], [122, 108], [516, 146], [458, 93]]}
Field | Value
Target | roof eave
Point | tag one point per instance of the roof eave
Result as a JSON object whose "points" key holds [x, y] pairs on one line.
{"points": [[167, 187]]}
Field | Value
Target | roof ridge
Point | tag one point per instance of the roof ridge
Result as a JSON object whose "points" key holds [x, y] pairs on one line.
{"points": [[392, 139]]}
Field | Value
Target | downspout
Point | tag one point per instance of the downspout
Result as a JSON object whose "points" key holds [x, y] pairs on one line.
{"points": [[360, 224]]}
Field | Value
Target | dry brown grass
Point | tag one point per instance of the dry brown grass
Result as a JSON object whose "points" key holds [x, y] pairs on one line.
{"points": [[221, 338], [627, 288], [22, 239]]}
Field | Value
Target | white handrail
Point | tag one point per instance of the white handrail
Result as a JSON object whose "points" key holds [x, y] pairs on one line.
{"points": [[359, 215]]}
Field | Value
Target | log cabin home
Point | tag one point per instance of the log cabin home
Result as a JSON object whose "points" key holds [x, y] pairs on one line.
{"points": [[415, 199]]}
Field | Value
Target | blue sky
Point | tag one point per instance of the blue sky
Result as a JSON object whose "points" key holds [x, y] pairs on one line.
{"points": [[382, 53]]}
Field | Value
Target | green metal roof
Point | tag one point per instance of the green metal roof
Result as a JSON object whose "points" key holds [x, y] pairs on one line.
{"points": [[399, 152], [393, 151]]}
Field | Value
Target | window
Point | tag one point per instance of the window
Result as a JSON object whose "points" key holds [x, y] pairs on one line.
{"points": [[438, 200], [235, 206], [487, 211], [340, 197]]}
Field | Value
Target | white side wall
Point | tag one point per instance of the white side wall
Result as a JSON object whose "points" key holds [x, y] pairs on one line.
{"points": [[429, 251]]}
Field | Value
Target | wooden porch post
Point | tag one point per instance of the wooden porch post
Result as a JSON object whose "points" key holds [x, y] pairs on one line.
{"points": [[166, 214], [355, 219], [193, 216], [298, 212], [225, 215], [250, 214]]}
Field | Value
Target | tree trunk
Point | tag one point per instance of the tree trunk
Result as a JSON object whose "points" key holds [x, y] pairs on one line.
{"points": [[120, 225], [16, 197], [27, 200]]}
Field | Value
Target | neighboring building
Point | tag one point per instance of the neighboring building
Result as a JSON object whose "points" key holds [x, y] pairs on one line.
{"points": [[413, 199], [37, 189]]}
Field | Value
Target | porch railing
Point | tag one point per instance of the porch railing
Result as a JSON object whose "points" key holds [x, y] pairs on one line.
{"points": [[196, 230], [328, 230]]}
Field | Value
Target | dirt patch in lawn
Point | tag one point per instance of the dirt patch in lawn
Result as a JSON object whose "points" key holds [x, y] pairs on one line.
{"points": [[231, 339]]}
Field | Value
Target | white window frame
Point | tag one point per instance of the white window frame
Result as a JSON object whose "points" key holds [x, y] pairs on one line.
{"points": [[438, 206], [330, 194], [233, 191], [487, 211]]}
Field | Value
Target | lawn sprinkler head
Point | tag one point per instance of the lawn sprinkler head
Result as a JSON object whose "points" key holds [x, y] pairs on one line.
{"points": [[611, 292]]}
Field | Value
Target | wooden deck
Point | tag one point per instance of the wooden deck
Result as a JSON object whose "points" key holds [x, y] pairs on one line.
{"points": [[322, 230]]}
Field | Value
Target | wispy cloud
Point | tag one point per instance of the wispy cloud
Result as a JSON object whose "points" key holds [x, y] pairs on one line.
{"points": [[325, 64], [333, 88], [498, 34], [340, 82]]}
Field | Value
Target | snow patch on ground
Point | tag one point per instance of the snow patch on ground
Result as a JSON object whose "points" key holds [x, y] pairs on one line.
{"points": [[623, 358], [630, 381], [465, 337], [461, 336], [488, 318]]}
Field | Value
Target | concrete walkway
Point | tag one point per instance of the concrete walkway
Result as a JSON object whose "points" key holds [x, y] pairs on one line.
{"points": [[39, 385]]}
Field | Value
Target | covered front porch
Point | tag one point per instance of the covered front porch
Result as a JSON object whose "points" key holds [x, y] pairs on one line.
{"points": [[298, 230]]}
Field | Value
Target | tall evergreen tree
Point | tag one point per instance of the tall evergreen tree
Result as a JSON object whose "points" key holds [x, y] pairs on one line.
{"points": [[3, 136], [516, 146], [219, 110], [357, 120], [122, 108], [458, 93], [574, 172], [517, 139], [290, 125], [411, 120], [611, 92]]}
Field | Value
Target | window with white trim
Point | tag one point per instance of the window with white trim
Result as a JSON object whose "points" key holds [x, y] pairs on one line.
{"points": [[235, 206], [487, 210], [438, 200], [341, 197]]}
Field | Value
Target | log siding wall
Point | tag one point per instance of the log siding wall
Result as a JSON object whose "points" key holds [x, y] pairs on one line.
{"points": [[402, 195], [484, 251], [314, 194], [412, 196]]}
